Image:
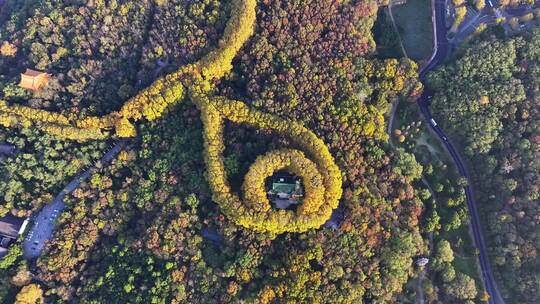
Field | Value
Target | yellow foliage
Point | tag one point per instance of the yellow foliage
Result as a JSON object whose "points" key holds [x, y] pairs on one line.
{"points": [[480, 4], [124, 128], [460, 13], [481, 28], [151, 102], [321, 176], [72, 133], [484, 99], [255, 213], [238, 30], [267, 295], [6, 120], [8, 50], [30, 294], [34, 114], [390, 68], [104, 122], [289, 160]]}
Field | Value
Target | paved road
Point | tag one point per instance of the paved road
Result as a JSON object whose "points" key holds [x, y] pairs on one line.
{"points": [[44, 221], [7, 150], [489, 15], [441, 51], [420, 295]]}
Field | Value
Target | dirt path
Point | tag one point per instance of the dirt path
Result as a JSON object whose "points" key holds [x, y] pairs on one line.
{"points": [[397, 31], [391, 121], [420, 298]]}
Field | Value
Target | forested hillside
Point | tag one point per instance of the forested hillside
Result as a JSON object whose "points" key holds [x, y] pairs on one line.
{"points": [[489, 99], [147, 228]]}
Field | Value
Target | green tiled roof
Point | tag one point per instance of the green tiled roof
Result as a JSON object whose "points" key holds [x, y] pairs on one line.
{"points": [[283, 188]]}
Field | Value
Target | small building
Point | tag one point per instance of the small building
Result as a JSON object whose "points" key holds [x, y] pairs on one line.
{"points": [[286, 191], [396, 2], [484, 100], [34, 80], [10, 229], [421, 262]]}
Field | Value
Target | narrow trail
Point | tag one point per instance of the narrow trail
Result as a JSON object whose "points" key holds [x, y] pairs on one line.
{"points": [[391, 14], [391, 121], [420, 297], [144, 44]]}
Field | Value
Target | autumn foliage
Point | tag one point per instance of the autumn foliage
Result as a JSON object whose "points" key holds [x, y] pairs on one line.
{"points": [[145, 228], [255, 213], [30, 294], [293, 161], [152, 101], [322, 178]]}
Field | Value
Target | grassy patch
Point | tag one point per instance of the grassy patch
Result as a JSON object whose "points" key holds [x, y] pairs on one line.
{"points": [[386, 37], [464, 251], [467, 265], [414, 22]]}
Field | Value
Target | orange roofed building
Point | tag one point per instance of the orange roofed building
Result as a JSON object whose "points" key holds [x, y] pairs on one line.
{"points": [[34, 80]]}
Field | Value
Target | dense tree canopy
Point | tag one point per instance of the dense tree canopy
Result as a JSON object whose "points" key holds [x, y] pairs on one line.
{"points": [[146, 229], [488, 98]]}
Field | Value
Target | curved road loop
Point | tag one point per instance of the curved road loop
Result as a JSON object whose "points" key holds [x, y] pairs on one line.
{"points": [[442, 48]]}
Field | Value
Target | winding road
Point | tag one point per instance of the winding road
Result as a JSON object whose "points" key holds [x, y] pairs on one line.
{"points": [[44, 221], [443, 48]]}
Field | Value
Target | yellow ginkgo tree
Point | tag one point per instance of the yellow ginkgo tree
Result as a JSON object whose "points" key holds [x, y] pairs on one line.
{"points": [[321, 176]]}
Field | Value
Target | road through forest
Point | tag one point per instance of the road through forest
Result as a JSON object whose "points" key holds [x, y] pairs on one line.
{"points": [[44, 222], [443, 48]]}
